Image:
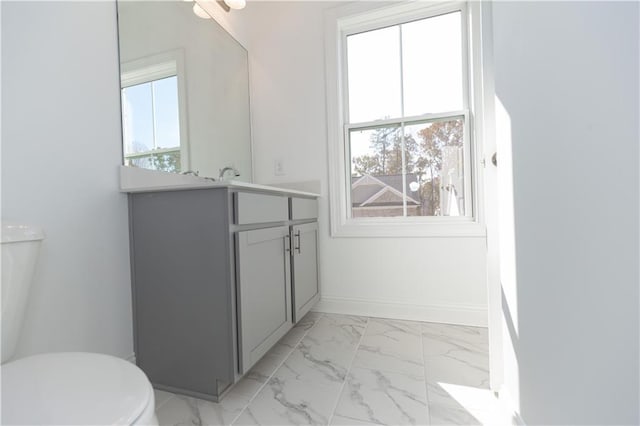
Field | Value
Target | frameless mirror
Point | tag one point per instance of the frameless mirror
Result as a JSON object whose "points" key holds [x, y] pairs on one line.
{"points": [[185, 91]]}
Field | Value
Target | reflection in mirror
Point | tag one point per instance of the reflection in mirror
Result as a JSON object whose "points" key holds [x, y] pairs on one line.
{"points": [[185, 91]]}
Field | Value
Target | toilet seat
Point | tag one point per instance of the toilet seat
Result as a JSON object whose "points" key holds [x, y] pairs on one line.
{"points": [[75, 388]]}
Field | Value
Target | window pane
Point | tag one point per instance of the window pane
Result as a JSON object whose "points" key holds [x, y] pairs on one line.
{"points": [[373, 64], [376, 173], [436, 165], [432, 65], [165, 94], [167, 161], [137, 118]]}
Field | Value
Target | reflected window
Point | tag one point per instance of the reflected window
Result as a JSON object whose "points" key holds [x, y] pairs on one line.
{"points": [[151, 117]]}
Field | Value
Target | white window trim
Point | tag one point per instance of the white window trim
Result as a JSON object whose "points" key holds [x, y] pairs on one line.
{"points": [[156, 67], [357, 17]]}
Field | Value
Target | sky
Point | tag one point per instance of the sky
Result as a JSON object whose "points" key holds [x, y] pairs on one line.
{"points": [[139, 113], [425, 56]]}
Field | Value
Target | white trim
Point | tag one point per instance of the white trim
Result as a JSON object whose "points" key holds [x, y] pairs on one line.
{"points": [[355, 20], [508, 408], [145, 73], [425, 118], [151, 152], [357, 17], [365, 208], [481, 27], [410, 226], [471, 315]]}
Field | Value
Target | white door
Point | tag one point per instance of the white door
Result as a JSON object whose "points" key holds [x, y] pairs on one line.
{"points": [[491, 195]]}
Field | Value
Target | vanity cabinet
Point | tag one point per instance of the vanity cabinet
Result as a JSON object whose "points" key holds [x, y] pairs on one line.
{"points": [[219, 275], [183, 274], [263, 274], [304, 255]]}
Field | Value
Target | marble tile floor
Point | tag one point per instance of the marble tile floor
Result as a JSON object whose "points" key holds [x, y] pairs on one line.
{"points": [[348, 370]]}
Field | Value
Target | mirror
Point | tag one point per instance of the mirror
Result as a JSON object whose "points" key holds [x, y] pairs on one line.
{"points": [[185, 91]]}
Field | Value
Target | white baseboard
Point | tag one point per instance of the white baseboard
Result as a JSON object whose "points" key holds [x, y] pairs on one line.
{"points": [[508, 408], [449, 314]]}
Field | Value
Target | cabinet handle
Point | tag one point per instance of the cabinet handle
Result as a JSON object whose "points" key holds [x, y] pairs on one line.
{"points": [[298, 237], [287, 243]]}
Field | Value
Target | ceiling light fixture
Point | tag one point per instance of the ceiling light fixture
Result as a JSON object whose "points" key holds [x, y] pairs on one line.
{"points": [[200, 12], [236, 4]]}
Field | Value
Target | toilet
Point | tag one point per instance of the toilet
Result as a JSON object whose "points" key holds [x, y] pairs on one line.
{"points": [[68, 388]]}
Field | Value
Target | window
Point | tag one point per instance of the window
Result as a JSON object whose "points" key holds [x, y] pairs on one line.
{"points": [[402, 145], [152, 117]]}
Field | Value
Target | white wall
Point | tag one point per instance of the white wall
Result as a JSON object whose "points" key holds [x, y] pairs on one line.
{"points": [[420, 278], [567, 77], [60, 155]]}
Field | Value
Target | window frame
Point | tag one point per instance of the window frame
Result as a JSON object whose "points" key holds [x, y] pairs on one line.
{"points": [[357, 18], [153, 68]]}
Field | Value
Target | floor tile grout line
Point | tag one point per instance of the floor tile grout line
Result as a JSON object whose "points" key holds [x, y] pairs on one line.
{"points": [[286, 355], [397, 370], [426, 383], [171, 396], [277, 368], [344, 382]]}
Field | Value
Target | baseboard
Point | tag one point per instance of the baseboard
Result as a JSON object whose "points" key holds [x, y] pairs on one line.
{"points": [[449, 314], [508, 408], [131, 358]]}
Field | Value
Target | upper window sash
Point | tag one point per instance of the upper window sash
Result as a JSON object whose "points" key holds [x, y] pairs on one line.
{"points": [[404, 14]]}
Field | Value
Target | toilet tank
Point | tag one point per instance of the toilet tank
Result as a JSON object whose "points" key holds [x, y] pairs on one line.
{"points": [[20, 245]]}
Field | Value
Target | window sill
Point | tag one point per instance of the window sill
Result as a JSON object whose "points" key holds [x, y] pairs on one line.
{"points": [[383, 229]]}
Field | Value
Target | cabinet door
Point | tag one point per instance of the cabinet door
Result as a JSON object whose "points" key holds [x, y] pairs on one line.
{"points": [[264, 296], [305, 268]]}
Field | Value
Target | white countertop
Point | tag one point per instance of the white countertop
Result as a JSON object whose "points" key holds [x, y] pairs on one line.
{"points": [[133, 179]]}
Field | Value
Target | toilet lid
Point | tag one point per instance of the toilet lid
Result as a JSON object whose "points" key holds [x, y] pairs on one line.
{"points": [[73, 388]]}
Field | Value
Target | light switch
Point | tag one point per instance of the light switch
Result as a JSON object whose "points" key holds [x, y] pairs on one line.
{"points": [[278, 167]]}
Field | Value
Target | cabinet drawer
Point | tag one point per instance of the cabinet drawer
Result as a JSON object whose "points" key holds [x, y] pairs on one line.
{"points": [[260, 208], [304, 208]]}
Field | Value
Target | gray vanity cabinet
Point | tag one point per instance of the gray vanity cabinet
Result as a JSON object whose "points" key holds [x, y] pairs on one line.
{"points": [[304, 255], [264, 291], [305, 268], [183, 293], [219, 275]]}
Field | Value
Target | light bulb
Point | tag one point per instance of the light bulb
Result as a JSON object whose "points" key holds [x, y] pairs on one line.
{"points": [[200, 12], [236, 4]]}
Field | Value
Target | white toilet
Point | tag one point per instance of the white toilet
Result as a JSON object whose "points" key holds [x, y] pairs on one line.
{"points": [[72, 388]]}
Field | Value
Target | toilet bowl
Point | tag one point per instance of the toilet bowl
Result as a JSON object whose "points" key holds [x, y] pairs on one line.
{"points": [[69, 388], [76, 388]]}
